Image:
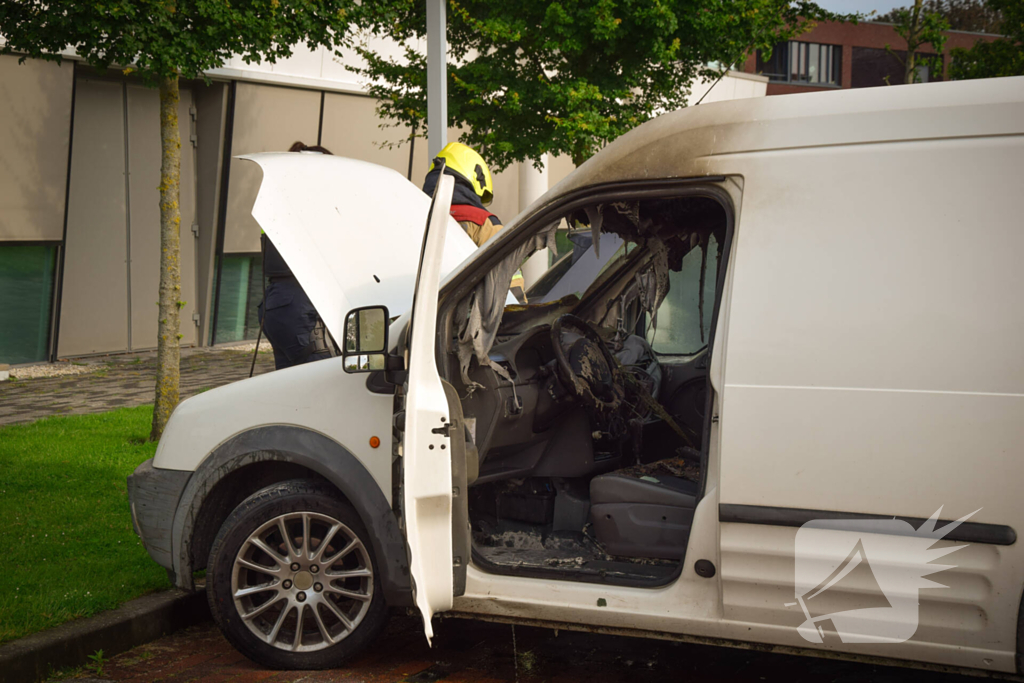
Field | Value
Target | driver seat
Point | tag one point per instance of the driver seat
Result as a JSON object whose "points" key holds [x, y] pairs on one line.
{"points": [[646, 516]]}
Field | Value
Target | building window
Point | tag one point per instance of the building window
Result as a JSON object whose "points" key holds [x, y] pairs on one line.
{"points": [[797, 62], [26, 301], [872, 67], [241, 291]]}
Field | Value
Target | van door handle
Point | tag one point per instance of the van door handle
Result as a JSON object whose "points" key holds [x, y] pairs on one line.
{"points": [[446, 430]]}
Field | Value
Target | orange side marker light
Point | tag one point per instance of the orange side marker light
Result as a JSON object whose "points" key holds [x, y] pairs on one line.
{"points": [[374, 442]]}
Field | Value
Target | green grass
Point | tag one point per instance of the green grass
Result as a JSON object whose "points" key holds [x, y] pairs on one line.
{"points": [[66, 534]]}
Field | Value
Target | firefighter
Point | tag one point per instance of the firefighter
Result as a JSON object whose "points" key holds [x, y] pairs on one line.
{"points": [[474, 190], [289, 319]]}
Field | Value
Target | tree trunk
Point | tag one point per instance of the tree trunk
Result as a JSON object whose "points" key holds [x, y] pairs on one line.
{"points": [[909, 75], [913, 42], [168, 349]]}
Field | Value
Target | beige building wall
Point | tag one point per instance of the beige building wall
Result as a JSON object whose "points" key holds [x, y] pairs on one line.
{"points": [[735, 85], [112, 252], [267, 119], [35, 127], [211, 102], [558, 168], [144, 157], [506, 193], [351, 128], [94, 305]]}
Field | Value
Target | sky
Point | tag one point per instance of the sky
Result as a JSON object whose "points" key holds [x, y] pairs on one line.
{"points": [[865, 6]]}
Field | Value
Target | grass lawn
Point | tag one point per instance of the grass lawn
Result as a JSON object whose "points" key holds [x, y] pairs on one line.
{"points": [[65, 530]]}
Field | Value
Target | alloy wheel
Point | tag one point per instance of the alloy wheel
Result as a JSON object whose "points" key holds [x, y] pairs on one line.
{"points": [[302, 581]]}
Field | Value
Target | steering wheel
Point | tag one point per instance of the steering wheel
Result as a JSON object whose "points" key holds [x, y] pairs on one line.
{"points": [[585, 365]]}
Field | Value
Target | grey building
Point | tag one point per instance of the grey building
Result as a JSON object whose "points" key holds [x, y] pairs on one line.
{"points": [[79, 212], [79, 216]]}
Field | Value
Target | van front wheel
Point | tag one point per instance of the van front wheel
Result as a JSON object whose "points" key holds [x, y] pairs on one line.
{"points": [[291, 582]]}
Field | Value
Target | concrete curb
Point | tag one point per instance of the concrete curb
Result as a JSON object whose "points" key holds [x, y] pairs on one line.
{"points": [[138, 621]]}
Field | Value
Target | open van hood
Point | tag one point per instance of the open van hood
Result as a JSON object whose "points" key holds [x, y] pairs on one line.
{"points": [[350, 231]]}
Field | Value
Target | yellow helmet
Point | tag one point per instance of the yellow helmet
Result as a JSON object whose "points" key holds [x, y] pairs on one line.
{"points": [[471, 166]]}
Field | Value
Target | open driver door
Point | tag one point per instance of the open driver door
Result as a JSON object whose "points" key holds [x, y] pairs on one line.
{"points": [[433, 443], [433, 449]]}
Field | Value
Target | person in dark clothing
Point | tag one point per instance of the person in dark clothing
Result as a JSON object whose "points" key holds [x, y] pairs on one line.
{"points": [[289, 319], [474, 190]]}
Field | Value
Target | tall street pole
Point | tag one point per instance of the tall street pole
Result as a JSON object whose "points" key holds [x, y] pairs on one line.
{"points": [[437, 78]]}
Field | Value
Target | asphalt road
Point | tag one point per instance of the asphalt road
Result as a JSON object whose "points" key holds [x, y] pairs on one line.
{"points": [[478, 652]]}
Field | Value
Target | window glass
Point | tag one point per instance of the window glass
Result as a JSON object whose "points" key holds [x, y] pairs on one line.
{"points": [[797, 62], [677, 327], [26, 301], [575, 272], [241, 290], [776, 65], [872, 67], [371, 330], [814, 53]]}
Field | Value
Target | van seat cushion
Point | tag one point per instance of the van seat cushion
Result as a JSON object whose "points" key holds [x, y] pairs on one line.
{"points": [[647, 490], [648, 516], [686, 466]]}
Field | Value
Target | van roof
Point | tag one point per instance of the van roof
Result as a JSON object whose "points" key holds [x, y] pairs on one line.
{"points": [[682, 143]]}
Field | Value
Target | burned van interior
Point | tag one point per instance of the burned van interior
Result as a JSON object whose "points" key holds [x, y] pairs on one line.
{"points": [[586, 407]]}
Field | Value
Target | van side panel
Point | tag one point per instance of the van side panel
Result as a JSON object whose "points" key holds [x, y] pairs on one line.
{"points": [[874, 365], [319, 396]]}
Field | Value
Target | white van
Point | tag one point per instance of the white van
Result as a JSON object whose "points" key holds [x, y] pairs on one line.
{"points": [[773, 380]]}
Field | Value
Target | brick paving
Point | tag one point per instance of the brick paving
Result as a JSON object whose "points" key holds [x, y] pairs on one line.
{"points": [[121, 381], [479, 652]]}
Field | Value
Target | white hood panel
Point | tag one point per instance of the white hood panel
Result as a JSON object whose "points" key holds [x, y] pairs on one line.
{"points": [[350, 231]]}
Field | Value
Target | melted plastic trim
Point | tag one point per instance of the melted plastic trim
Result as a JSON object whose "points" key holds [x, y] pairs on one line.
{"points": [[575, 575], [463, 282]]}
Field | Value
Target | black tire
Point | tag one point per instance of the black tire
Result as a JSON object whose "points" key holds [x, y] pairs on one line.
{"points": [[253, 517]]}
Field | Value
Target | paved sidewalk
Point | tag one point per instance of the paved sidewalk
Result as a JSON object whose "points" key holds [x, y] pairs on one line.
{"points": [[469, 651], [120, 381]]}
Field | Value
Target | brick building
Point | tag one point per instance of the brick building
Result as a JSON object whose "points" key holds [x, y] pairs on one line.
{"points": [[843, 55]]}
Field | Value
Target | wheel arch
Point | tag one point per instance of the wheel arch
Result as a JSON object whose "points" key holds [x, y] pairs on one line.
{"points": [[259, 457]]}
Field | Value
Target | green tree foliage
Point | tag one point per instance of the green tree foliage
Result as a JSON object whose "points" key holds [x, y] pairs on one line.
{"points": [[919, 26], [1002, 57], [978, 16], [161, 40], [531, 77]]}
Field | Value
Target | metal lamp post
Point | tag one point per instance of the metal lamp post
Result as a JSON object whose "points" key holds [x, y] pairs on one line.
{"points": [[437, 79]]}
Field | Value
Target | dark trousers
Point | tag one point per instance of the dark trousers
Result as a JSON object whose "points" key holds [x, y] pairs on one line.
{"points": [[288, 319]]}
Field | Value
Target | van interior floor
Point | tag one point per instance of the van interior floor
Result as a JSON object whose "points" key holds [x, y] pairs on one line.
{"points": [[511, 546]]}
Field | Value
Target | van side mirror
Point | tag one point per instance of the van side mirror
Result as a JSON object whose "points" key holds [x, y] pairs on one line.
{"points": [[366, 339]]}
